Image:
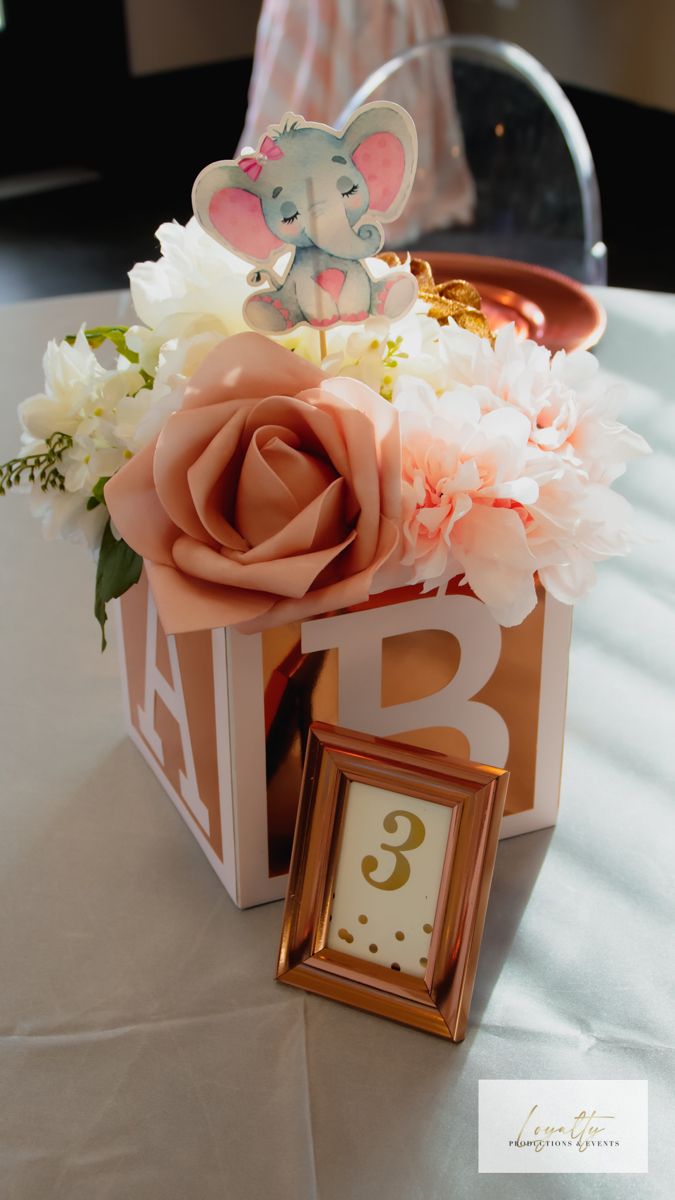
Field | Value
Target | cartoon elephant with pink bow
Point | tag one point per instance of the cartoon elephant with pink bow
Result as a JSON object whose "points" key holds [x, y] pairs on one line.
{"points": [[319, 194]]}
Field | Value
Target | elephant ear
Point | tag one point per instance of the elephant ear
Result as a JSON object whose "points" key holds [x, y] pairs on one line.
{"points": [[382, 141], [228, 205]]}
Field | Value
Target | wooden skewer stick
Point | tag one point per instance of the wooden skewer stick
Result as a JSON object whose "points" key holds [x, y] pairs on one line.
{"points": [[322, 344]]}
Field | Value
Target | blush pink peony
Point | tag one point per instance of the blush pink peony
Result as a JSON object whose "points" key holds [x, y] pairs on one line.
{"points": [[571, 409], [507, 473], [466, 480]]}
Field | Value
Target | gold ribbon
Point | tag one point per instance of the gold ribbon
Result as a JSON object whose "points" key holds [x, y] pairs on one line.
{"points": [[454, 300]]}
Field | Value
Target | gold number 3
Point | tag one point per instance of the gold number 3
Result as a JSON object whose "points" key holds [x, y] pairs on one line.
{"points": [[401, 872]]}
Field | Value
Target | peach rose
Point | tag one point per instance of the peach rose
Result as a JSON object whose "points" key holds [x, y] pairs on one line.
{"points": [[272, 494]]}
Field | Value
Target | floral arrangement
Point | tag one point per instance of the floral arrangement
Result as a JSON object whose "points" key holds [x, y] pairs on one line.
{"points": [[261, 482]]}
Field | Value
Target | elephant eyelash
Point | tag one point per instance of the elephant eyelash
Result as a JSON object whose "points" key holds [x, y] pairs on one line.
{"points": [[351, 191], [290, 220]]}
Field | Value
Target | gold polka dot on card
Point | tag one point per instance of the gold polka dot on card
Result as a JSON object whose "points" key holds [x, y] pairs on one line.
{"points": [[399, 935], [423, 962], [395, 967], [363, 919], [345, 935], [373, 948], [427, 928]]}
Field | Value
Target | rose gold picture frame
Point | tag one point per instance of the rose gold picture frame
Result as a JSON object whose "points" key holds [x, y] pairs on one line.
{"points": [[438, 1000]]}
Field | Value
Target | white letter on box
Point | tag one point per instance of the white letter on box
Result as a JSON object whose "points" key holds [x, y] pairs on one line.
{"points": [[173, 697], [358, 638]]}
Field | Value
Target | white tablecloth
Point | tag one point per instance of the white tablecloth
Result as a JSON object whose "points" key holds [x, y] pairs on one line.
{"points": [[146, 1052]]}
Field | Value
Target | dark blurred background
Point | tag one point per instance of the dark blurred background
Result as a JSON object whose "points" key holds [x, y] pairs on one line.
{"points": [[110, 111]]}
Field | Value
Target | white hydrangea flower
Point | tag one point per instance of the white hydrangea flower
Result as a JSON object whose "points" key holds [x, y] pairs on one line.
{"points": [[571, 409], [64, 516], [141, 416], [81, 398]]}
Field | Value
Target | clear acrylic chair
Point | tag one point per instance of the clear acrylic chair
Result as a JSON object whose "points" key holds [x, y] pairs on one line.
{"points": [[536, 192]]}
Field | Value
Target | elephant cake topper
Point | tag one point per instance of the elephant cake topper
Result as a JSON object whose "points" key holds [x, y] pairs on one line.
{"points": [[320, 194]]}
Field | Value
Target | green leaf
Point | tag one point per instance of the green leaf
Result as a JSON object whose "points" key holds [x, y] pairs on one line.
{"points": [[97, 497], [108, 333], [119, 568]]}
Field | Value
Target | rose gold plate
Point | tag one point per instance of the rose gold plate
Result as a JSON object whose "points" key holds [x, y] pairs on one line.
{"points": [[544, 305]]}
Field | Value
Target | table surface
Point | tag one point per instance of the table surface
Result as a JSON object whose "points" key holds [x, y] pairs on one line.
{"points": [[146, 1052]]}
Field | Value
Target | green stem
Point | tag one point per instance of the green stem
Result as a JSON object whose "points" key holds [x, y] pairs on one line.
{"points": [[37, 468]]}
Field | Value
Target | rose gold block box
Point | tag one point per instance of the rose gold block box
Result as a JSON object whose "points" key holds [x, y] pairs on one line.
{"points": [[223, 717]]}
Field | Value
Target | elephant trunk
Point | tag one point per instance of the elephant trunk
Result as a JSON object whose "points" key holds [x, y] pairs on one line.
{"points": [[330, 230]]}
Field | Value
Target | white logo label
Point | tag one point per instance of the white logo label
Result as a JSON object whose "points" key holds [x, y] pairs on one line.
{"points": [[562, 1126]]}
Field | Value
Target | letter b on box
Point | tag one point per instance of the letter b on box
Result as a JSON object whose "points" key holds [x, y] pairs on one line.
{"points": [[222, 717]]}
